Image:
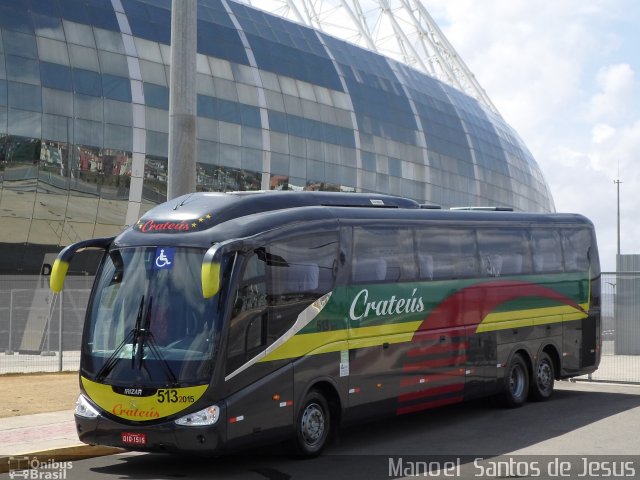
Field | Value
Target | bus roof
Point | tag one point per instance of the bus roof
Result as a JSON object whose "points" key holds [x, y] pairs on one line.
{"points": [[206, 218]]}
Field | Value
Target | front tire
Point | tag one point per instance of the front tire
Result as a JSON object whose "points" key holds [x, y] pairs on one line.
{"points": [[313, 424], [516, 386], [543, 378]]}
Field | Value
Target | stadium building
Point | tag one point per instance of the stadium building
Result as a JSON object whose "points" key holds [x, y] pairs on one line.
{"points": [[84, 118]]}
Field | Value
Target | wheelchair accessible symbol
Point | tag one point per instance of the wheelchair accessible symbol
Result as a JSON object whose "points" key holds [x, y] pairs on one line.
{"points": [[164, 258]]}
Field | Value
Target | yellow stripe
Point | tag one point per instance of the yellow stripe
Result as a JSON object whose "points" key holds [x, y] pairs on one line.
{"points": [[379, 340], [390, 333], [142, 409], [530, 317], [504, 325], [362, 337], [386, 329], [574, 316], [547, 320], [324, 342], [331, 347], [303, 344]]}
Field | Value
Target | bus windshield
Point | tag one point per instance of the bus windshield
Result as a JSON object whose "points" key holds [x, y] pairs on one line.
{"points": [[148, 324]]}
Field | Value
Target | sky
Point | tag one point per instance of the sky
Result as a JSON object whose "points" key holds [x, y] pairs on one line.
{"points": [[566, 75]]}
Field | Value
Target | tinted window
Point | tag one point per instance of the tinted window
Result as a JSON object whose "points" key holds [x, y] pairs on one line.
{"points": [[25, 97], [299, 271], [547, 252], [279, 281], [446, 253], [103, 18], [504, 252], [576, 245], [22, 69], [301, 265], [116, 88], [87, 82], [75, 10], [56, 76], [249, 314], [156, 96], [383, 254]]}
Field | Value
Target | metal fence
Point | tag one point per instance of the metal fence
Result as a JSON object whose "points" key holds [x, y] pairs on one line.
{"points": [[620, 312], [41, 332]]}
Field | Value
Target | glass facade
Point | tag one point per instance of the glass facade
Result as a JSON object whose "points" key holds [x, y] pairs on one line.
{"points": [[84, 96]]}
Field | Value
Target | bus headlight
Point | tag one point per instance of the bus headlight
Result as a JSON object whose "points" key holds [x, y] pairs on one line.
{"points": [[206, 416], [84, 408]]}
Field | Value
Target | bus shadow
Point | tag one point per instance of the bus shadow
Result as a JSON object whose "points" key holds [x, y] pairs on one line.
{"points": [[483, 427], [474, 429]]}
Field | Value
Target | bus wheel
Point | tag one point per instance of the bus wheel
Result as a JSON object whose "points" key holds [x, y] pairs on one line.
{"points": [[544, 377], [516, 382], [312, 425]]}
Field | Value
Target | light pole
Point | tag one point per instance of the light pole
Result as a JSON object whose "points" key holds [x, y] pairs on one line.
{"points": [[618, 182], [181, 178]]}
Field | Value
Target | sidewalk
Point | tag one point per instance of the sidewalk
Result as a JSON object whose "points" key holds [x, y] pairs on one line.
{"points": [[46, 436]]}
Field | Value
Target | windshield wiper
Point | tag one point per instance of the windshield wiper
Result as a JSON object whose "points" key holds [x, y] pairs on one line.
{"points": [[145, 336], [131, 336], [138, 336], [136, 332]]}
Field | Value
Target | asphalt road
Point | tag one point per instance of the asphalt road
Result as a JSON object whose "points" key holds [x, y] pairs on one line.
{"points": [[594, 421]]}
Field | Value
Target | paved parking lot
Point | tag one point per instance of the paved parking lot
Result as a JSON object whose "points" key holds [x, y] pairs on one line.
{"points": [[584, 431]]}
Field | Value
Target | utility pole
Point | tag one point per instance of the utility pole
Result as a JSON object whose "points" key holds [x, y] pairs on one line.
{"points": [[182, 99]]}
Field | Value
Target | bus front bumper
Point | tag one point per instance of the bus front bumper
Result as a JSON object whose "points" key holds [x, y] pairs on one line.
{"points": [[165, 437]]}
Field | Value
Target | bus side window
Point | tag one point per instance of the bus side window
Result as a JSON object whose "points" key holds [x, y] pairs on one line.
{"points": [[575, 245], [425, 265], [383, 255], [445, 253], [279, 281], [254, 338], [301, 271], [369, 269], [504, 252], [547, 251], [249, 308]]}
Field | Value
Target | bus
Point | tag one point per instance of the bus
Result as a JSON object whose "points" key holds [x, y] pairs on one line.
{"points": [[224, 319]]}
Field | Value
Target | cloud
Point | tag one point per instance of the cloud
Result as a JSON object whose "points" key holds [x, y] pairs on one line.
{"points": [[563, 74], [529, 56], [623, 148], [601, 132], [583, 181], [617, 84]]}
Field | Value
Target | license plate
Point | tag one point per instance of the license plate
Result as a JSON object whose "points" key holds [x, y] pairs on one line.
{"points": [[130, 438]]}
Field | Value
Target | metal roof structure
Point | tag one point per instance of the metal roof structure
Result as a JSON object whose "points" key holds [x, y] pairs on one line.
{"points": [[400, 29]]}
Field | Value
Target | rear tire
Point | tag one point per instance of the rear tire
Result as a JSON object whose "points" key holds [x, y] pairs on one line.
{"points": [[516, 382], [543, 378], [313, 425]]}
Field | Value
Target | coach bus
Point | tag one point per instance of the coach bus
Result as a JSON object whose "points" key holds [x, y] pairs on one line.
{"points": [[223, 319]]}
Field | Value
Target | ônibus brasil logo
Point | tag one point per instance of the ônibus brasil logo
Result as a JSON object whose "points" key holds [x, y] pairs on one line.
{"points": [[38, 469]]}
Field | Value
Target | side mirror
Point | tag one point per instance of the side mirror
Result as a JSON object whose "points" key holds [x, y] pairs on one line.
{"points": [[211, 262], [211, 271], [61, 265]]}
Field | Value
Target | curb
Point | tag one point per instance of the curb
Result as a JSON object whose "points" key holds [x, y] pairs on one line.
{"points": [[75, 452]]}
